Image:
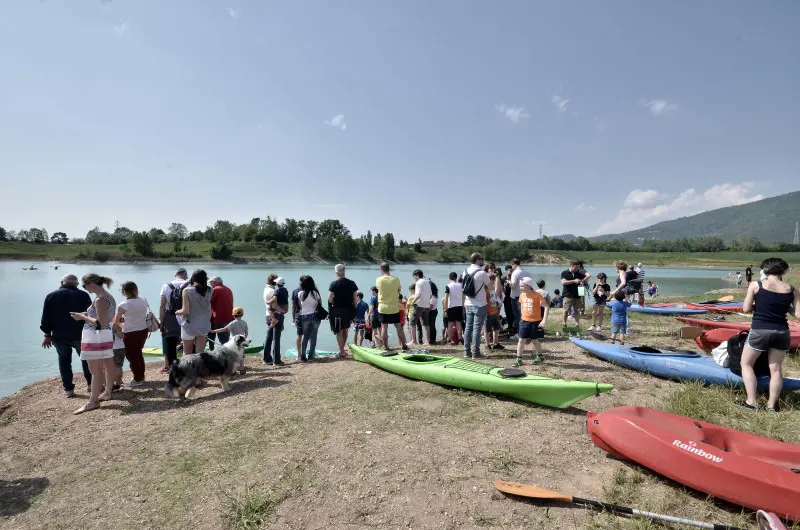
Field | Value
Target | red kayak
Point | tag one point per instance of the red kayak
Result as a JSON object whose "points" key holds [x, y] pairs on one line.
{"points": [[748, 470], [794, 327], [714, 337]]}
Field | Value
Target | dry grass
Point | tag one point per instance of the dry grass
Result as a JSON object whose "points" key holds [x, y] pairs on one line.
{"points": [[342, 444]]}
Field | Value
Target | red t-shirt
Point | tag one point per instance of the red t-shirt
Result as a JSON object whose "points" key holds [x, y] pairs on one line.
{"points": [[221, 305]]}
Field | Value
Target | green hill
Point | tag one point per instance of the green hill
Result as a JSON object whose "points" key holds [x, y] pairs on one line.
{"points": [[771, 220]]}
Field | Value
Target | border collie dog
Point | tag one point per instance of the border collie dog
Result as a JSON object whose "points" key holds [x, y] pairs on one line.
{"points": [[222, 363]]}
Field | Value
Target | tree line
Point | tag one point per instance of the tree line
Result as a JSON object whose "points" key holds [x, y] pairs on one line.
{"points": [[330, 239]]}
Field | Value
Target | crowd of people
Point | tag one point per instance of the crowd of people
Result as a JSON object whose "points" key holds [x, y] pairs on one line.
{"points": [[477, 306]]}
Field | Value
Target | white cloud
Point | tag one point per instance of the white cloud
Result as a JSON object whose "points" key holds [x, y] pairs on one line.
{"points": [[234, 13], [560, 103], [513, 113], [583, 207], [659, 107], [643, 208], [122, 28], [337, 121]]}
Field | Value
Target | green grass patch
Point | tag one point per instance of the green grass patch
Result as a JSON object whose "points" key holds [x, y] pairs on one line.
{"points": [[718, 405]]}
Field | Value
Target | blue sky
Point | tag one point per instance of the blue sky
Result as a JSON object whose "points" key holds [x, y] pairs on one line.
{"points": [[427, 118]]}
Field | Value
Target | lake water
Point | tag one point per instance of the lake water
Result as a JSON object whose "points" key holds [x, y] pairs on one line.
{"points": [[23, 360]]}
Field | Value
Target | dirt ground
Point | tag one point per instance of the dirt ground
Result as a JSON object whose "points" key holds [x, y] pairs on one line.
{"points": [[336, 444]]}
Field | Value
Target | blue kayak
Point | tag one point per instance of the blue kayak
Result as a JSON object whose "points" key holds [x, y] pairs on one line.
{"points": [[670, 311], [680, 365]]}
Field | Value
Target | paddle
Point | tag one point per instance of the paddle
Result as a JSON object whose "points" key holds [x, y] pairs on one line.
{"points": [[728, 298], [532, 492]]}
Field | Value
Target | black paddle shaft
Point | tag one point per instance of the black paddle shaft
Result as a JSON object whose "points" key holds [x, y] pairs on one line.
{"points": [[630, 511]]}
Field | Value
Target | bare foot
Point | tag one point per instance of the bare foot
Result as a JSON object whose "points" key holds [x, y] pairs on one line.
{"points": [[87, 407], [104, 397]]}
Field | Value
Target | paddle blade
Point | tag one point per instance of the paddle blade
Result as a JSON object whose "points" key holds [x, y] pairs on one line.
{"points": [[690, 332], [728, 298], [532, 492]]}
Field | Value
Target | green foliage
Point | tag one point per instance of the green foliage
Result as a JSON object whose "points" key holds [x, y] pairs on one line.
{"points": [[404, 254], [177, 231], [143, 244], [388, 245], [325, 247], [221, 250], [346, 248], [59, 238], [3, 234]]}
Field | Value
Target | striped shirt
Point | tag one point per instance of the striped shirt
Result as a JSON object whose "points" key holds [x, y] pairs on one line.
{"points": [[640, 271]]}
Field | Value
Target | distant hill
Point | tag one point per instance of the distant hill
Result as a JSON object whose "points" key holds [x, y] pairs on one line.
{"points": [[770, 220]]}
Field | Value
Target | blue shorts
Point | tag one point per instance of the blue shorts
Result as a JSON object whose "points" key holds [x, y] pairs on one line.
{"points": [[619, 329], [530, 330]]}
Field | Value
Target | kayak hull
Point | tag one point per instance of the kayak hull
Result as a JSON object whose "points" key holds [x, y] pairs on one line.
{"points": [[664, 310], [794, 328], [734, 466], [470, 375], [291, 353], [678, 365], [714, 337]]}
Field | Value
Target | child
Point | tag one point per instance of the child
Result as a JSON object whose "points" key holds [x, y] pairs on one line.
{"points": [[236, 327], [119, 352], [738, 280], [619, 317], [410, 313], [532, 322], [557, 301], [493, 325], [652, 289], [360, 322], [402, 304], [600, 290]]}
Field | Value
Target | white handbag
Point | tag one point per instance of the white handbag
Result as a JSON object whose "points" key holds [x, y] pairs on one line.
{"points": [[720, 354]]}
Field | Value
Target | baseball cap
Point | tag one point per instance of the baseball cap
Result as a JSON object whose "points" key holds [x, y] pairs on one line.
{"points": [[237, 311], [280, 281], [639, 264], [529, 282]]}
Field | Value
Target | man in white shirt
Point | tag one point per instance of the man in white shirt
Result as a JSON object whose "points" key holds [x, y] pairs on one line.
{"points": [[475, 305], [454, 307], [422, 304], [517, 273]]}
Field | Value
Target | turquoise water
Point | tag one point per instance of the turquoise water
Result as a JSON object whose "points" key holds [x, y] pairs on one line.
{"points": [[23, 359]]}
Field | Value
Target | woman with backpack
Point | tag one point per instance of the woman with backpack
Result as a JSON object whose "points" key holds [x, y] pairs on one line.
{"points": [[769, 301], [196, 313]]}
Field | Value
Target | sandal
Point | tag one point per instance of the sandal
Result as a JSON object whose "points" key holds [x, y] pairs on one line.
{"points": [[104, 397], [748, 406]]}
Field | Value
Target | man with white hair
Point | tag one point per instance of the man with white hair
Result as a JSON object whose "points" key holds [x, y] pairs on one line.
{"points": [[343, 299], [64, 332], [221, 310]]}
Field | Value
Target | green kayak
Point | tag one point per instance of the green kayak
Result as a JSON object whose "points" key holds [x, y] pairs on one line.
{"points": [[471, 375], [158, 352]]}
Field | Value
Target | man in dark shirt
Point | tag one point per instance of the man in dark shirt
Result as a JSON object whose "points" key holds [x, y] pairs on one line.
{"points": [[748, 274], [282, 299], [342, 298], [62, 331], [571, 279]]}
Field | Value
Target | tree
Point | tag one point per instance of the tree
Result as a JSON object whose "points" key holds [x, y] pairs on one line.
{"points": [[143, 244], [95, 236], [177, 231], [389, 244], [221, 250], [224, 230], [121, 234], [325, 247], [59, 238], [332, 228], [157, 235], [37, 235], [3, 234], [346, 248], [418, 246]]}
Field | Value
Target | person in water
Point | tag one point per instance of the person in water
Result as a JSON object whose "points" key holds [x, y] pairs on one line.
{"points": [[769, 301], [652, 289]]}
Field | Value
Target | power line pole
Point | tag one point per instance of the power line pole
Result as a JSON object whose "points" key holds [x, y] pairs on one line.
{"points": [[797, 232], [540, 231]]}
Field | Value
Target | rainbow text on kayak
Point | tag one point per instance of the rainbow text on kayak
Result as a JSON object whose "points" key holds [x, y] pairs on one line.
{"points": [[692, 448]]}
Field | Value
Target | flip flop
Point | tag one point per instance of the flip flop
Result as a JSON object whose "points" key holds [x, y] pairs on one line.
{"points": [[768, 521]]}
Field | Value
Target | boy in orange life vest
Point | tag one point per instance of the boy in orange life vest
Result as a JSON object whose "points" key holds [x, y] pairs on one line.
{"points": [[532, 322]]}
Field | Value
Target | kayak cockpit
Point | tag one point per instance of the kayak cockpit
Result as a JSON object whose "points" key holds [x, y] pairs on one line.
{"points": [[649, 350], [425, 359]]}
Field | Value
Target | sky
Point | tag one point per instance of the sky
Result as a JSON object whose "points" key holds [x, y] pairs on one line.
{"points": [[430, 119]]}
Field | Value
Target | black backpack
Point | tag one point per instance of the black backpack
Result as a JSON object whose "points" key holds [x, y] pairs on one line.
{"points": [[735, 347], [175, 300], [468, 284]]}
